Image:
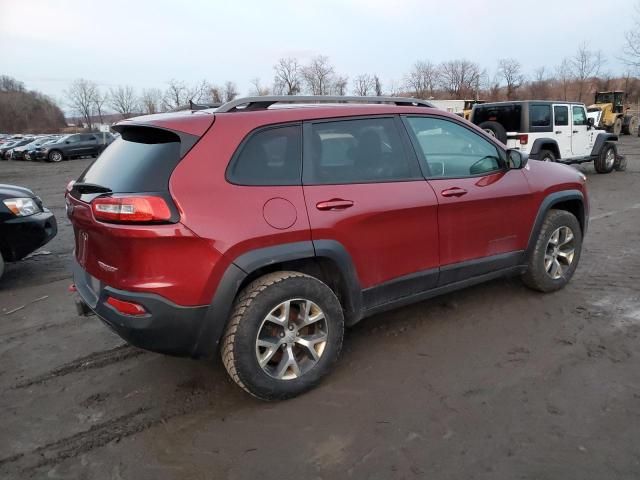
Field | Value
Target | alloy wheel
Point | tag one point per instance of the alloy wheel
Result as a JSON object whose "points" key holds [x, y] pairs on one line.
{"points": [[559, 252], [291, 339]]}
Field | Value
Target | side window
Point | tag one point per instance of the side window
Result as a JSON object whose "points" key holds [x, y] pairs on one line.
{"points": [[579, 117], [272, 156], [451, 150], [561, 116], [73, 139], [540, 115], [357, 151]]}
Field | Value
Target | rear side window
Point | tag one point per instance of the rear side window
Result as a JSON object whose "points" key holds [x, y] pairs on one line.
{"points": [[508, 116], [271, 156], [356, 151], [540, 115], [140, 160], [561, 116]]}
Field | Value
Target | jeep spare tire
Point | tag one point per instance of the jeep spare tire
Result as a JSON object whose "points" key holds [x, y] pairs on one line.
{"points": [[495, 130]]}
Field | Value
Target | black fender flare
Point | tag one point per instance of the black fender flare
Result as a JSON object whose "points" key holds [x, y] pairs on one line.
{"points": [[547, 204], [217, 314], [601, 139], [539, 143]]}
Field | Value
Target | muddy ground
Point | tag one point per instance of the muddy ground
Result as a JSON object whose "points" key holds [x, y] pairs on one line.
{"points": [[494, 382]]}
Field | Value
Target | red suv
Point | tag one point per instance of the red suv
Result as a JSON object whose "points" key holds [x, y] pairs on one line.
{"points": [[264, 227]]}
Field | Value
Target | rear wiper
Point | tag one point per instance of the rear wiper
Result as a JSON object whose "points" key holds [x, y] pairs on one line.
{"points": [[82, 187]]}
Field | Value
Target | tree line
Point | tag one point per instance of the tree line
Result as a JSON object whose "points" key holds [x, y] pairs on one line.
{"points": [[22, 110]]}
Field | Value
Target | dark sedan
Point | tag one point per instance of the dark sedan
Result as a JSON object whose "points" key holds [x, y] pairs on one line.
{"points": [[25, 224], [7, 147], [18, 153]]}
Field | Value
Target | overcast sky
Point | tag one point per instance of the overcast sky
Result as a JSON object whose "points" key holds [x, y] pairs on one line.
{"points": [[47, 43]]}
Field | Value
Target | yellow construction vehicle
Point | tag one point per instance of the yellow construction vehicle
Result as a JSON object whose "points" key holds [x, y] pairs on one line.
{"points": [[468, 106], [610, 113]]}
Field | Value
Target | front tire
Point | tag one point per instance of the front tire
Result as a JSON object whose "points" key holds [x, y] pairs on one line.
{"points": [[55, 156], [556, 253], [607, 159], [284, 335]]}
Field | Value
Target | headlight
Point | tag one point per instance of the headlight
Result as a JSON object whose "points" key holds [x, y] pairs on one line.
{"points": [[22, 207]]}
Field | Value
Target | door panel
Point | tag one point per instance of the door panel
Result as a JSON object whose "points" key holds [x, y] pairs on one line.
{"points": [[562, 129], [363, 188], [580, 134]]}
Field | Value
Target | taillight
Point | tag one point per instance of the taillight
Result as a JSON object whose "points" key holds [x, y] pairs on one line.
{"points": [[138, 209], [127, 308], [70, 185], [524, 139]]}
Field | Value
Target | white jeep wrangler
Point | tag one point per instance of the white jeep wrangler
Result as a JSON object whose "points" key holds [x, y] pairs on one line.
{"points": [[550, 131]]}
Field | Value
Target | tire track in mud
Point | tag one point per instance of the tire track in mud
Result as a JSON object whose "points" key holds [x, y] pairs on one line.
{"points": [[89, 362], [188, 399]]}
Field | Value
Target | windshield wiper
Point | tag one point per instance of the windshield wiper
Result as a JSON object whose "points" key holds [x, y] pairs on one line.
{"points": [[82, 187]]}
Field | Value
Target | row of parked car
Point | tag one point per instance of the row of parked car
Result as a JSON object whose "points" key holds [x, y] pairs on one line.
{"points": [[53, 148]]}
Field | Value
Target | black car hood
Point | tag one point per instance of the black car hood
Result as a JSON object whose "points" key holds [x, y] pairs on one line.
{"points": [[13, 191]]}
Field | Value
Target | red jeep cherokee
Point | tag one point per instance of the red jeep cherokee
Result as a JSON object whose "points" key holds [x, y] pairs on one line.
{"points": [[266, 229]]}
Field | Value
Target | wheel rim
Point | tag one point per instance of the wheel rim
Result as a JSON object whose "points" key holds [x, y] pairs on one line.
{"points": [[490, 132], [610, 158], [547, 159], [560, 252], [56, 157], [291, 339]]}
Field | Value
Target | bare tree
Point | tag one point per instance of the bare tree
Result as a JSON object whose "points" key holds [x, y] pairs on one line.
{"points": [[200, 92], [318, 75], [539, 87], [564, 75], [377, 86], [10, 84], [230, 91], [258, 89], [82, 98], [100, 100], [422, 79], [151, 100], [631, 48], [176, 95], [340, 85], [363, 85], [460, 78], [216, 94], [510, 70], [123, 100], [288, 75], [586, 64]]}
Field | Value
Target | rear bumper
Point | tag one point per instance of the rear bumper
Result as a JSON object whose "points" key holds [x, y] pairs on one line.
{"points": [[166, 328]]}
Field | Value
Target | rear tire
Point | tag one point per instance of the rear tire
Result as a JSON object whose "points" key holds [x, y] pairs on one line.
{"points": [[616, 129], [631, 126], [547, 256], [269, 359], [607, 159], [546, 156], [495, 130]]}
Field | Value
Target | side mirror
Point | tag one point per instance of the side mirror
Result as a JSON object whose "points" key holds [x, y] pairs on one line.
{"points": [[590, 122], [516, 159]]}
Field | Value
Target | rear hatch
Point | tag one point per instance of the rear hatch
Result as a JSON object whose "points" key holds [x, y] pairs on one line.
{"points": [[124, 218]]}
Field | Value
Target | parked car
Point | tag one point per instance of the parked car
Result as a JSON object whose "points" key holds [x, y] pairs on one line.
{"points": [[247, 234], [30, 153], [550, 131], [25, 224], [18, 153], [5, 150], [74, 146]]}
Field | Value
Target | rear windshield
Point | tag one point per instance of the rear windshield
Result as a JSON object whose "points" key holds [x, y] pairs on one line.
{"points": [[140, 160], [506, 115]]}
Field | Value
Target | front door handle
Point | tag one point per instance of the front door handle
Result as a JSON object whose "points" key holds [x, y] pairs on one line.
{"points": [[334, 204], [575, 131], [558, 132], [454, 192]]}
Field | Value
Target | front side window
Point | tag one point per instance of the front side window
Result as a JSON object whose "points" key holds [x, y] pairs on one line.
{"points": [[272, 156], [73, 139], [579, 117], [356, 151], [451, 150], [561, 116]]}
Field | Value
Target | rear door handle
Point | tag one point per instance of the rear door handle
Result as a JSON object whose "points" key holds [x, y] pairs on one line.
{"points": [[558, 132], [454, 192], [575, 131], [334, 204]]}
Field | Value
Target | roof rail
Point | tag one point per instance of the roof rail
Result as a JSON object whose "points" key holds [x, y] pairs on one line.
{"points": [[248, 104]]}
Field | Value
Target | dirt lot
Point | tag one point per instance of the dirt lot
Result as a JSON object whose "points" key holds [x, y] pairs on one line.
{"points": [[494, 382]]}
